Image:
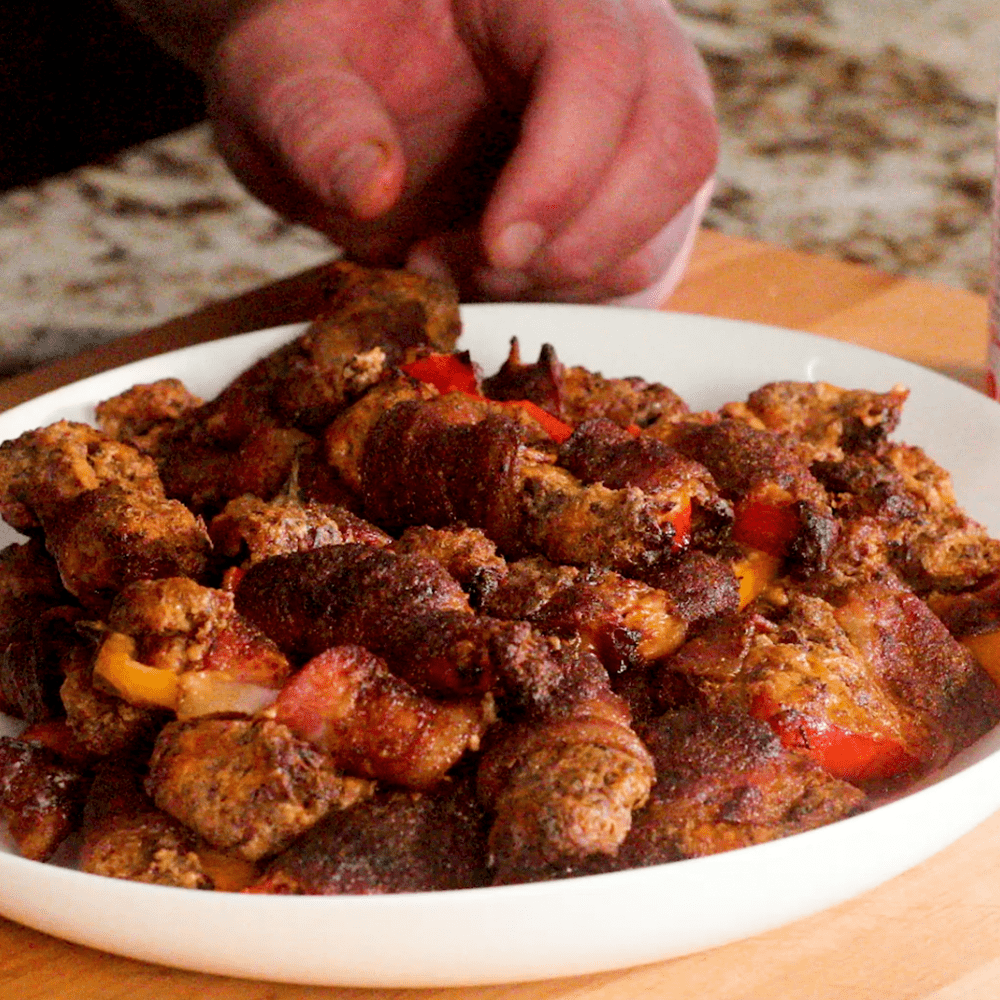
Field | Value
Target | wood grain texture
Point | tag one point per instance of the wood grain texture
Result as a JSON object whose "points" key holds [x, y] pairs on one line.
{"points": [[930, 934]]}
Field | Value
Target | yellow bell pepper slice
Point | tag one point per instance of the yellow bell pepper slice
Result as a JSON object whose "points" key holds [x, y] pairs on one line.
{"points": [[132, 681], [756, 571]]}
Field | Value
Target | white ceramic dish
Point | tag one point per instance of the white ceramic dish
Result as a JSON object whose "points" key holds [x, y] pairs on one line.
{"points": [[582, 925]]}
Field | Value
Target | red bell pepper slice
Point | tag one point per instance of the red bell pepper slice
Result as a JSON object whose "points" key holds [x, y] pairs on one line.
{"points": [[452, 373], [446, 372], [680, 518], [766, 526], [556, 429], [854, 757]]}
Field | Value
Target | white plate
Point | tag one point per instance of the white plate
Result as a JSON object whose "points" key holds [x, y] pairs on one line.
{"points": [[584, 925]]}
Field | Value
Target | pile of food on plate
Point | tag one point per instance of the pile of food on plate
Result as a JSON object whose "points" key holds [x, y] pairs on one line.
{"points": [[372, 622]]}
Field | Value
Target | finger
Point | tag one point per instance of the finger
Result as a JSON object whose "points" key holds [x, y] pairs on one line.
{"points": [[582, 58], [282, 77], [266, 177], [643, 280], [664, 260], [667, 153]]}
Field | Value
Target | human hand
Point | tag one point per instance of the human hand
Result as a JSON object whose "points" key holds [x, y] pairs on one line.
{"points": [[533, 149]]}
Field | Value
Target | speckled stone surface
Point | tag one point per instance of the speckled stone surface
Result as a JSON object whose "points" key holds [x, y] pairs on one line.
{"points": [[863, 129]]}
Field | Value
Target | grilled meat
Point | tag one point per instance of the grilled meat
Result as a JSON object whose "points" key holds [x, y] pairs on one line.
{"points": [[248, 787], [395, 841], [126, 836], [41, 798]]}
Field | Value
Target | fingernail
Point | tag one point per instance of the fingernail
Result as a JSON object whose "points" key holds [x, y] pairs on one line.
{"points": [[354, 172], [516, 245]]}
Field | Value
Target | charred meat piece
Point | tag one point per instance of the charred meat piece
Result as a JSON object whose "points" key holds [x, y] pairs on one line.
{"points": [[204, 475], [345, 436], [943, 548], [374, 724], [43, 469], [824, 420], [451, 654], [142, 415], [310, 601], [373, 320], [395, 841], [103, 724], [624, 622], [269, 528], [601, 452], [528, 585], [55, 735], [106, 538], [376, 319], [33, 651], [871, 686], [562, 791], [715, 655], [779, 505], [924, 666], [41, 798], [265, 462], [29, 577], [623, 529], [247, 787], [421, 467], [126, 836], [409, 611], [576, 394], [700, 585], [466, 553], [398, 309], [724, 781], [864, 486], [928, 539], [970, 613]]}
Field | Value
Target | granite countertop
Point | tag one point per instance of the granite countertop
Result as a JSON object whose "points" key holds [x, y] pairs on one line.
{"points": [[862, 129]]}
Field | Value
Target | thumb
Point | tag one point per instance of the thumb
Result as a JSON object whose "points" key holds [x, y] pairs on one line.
{"points": [[283, 79]]}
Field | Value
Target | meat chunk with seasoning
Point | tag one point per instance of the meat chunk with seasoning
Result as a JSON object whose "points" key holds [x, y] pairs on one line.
{"points": [[246, 787], [106, 538], [41, 798], [421, 465], [346, 702], [466, 553], [268, 415], [779, 506], [575, 394], [724, 781], [142, 415], [562, 790], [825, 421], [412, 613], [396, 841], [265, 528], [126, 836], [43, 469], [34, 651]]}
